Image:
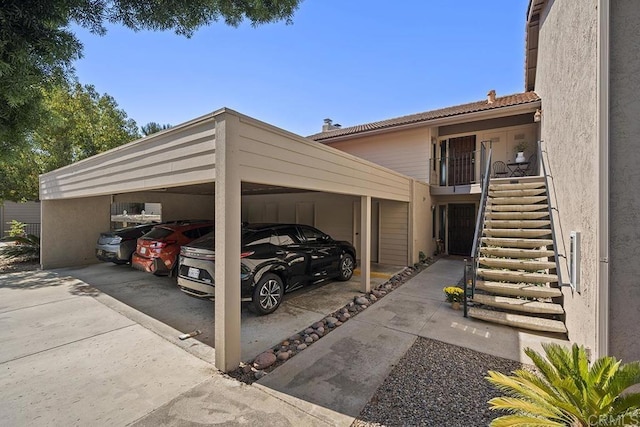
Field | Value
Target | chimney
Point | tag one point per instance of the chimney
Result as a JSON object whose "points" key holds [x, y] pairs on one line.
{"points": [[491, 96], [328, 125]]}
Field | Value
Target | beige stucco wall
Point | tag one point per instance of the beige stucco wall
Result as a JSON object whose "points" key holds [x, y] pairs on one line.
{"points": [[566, 82], [624, 332], [70, 229], [421, 222], [404, 151]]}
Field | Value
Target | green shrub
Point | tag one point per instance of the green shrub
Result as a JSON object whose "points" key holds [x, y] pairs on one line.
{"points": [[16, 228]]}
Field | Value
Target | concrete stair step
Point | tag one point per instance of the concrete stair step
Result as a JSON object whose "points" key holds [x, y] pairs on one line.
{"points": [[516, 264], [518, 289], [527, 200], [518, 304], [518, 320], [517, 186], [518, 208], [518, 192], [516, 215], [516, 253], [506, 242], [510, 223], [517, 232], [516, 276]]}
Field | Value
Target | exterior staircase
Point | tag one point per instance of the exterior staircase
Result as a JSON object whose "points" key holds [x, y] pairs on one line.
{"points": [[516, 282]]}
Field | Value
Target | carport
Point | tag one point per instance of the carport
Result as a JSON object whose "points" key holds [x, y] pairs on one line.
{"points": [[211, 161]]}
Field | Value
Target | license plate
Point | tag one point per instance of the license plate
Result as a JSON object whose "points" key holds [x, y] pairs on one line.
{"points": [[143, 250], [193, 272]]}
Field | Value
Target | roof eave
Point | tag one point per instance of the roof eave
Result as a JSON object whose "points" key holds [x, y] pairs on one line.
{"points": [[511, 110]]}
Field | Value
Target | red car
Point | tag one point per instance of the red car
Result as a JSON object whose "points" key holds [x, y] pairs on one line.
{"points": [[157, 251]]}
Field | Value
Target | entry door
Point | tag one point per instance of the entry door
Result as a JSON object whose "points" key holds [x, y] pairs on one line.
{"points": [[462, 225], [462, 160], [375, 226]]}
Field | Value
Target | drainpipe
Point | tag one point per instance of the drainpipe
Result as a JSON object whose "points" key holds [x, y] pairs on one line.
{"points": [[602, 305]]}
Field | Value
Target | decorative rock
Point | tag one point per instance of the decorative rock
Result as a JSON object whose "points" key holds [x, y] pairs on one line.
{"points": [[284, 347], [373, 297], [361, 301], [320, 331], [308, 331], [308, 340], [271, 350], [376, 293], [342, 319], [350, 304], [330, 320], [259, 374], [285, 343], [353, 309], [338, 323], [283, 355], [301, 347], [264, 360], [294, 337], [362, 307], [331, 325], [346, 315], [296, 342], [314, 337], [383, 293], [246, 369], [318, 325], [344, 310]]}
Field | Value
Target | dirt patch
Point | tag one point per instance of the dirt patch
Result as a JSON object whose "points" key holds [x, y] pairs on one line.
{"points": [[15, 265]]}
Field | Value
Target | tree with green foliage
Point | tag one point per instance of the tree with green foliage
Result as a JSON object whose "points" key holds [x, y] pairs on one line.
{"points": [[37, 47], [567, 391], [153, 127], [77, 123]]}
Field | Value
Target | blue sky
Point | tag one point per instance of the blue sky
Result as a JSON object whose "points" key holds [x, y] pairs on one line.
{"points": [[353, 61]]}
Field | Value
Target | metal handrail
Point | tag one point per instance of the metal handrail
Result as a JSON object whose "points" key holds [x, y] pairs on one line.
{"points": [[485, 178], [553, 231], [461, 168]]}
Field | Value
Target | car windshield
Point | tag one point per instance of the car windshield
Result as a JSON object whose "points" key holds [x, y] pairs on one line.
{"points": [[158, 233]]}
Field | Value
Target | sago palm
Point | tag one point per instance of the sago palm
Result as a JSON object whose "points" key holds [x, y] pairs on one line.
{"points": [[27, 247], [567, 391]]}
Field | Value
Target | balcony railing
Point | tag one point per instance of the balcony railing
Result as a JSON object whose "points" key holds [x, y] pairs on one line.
{"points": [[462, 169]]}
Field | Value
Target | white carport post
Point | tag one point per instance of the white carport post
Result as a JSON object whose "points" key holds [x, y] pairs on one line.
{"points": [[227, 228], [365, 243]]}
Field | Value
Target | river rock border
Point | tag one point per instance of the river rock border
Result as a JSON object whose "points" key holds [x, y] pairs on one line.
{"points": [[275, 356]]}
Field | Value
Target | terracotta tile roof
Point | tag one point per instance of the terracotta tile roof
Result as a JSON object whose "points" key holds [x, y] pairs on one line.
{"points": [[503, 101]]}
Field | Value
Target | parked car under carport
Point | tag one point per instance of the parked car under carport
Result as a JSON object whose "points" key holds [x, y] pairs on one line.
{"points": [[275, 258]]}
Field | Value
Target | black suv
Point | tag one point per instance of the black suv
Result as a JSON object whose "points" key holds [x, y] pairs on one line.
{"points": [[275, 258]]}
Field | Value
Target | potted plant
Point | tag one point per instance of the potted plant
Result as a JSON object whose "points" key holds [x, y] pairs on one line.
{"points": [[519, 149], [454, 295]]}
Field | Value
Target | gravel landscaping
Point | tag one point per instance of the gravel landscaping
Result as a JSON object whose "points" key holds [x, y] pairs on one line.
{"points": [[436, 384]]}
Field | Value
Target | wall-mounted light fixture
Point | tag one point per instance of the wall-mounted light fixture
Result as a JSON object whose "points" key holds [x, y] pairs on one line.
{"points": [[537, 117]]}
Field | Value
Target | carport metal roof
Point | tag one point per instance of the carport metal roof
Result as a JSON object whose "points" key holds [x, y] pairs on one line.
{"points": [[228, 148]]}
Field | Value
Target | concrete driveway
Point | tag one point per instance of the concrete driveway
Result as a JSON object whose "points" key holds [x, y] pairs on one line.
{"points": [[72, 355], [160, 299]]}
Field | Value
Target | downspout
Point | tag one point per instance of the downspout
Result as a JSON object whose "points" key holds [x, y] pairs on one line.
{"points": [[602, 88]]}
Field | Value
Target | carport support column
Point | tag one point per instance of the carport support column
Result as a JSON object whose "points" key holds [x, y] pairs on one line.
{"points": [[365, 243], [227, 228]]}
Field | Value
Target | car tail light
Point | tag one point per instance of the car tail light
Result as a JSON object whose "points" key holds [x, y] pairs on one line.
{"points": [[246, 254]]}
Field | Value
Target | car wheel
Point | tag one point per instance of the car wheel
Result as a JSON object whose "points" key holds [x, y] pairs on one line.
{"points": [[346, 267], [267, 294]]}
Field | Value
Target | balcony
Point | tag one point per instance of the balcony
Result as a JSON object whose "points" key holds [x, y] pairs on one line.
{"points": [[461, 174]]}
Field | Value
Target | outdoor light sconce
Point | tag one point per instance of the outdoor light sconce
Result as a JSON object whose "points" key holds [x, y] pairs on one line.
{"points": [[537, 117]]}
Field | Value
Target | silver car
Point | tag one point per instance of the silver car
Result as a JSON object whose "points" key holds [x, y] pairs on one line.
{"points": [[118, 246]]}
